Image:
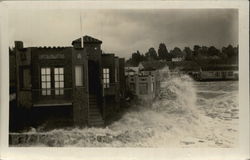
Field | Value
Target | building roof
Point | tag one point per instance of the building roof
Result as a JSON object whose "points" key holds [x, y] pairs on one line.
{"points": [[87, 39], [130, 70], [220, 68]]}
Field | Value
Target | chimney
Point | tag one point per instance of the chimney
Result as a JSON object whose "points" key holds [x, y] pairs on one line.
{"points": [[18, 44]]}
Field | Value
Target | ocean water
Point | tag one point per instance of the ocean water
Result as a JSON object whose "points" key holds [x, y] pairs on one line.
{"points": [[185, 114]]}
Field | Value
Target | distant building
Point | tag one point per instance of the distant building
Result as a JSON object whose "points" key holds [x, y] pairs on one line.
{"points": [[220, 72], [131, 70], [88, 82], [177, 59], [145, 84]]}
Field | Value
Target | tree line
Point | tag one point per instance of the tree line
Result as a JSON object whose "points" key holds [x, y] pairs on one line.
{"points": [[188, 54]]}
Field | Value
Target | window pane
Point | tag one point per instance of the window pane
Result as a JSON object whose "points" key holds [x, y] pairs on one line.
{"points": [[43, 85], [56, 78], [48, 85], [26, 78], [78, 75], [43, 78], [56, 84], [48, 77], [61, 70], [43, 92], [57, 92], [49, 92], [61, 84], [42, 70], [61, 77], [47, 70], [56, 71]]}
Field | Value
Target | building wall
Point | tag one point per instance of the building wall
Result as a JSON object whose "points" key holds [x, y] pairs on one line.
{"points": [[112, 93], [31, 60], [122, 76], [23, 61], [80, 93], [51, 57], [218, 75], [145, 87]]}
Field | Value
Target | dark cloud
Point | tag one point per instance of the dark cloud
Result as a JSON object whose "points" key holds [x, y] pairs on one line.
{"points": [[125, 31]]}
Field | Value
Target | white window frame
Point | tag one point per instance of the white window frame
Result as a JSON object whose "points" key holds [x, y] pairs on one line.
{"points": [[106, 77], [46, 81], [59, 80], [79, 78]]}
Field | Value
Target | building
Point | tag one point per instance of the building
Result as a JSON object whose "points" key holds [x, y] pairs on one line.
{"points": [[131, 70], [145, 84], [177, 59], [89, 83], [219, 72]]}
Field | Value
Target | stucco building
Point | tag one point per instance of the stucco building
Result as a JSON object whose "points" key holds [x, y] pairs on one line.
{"points": [[86, 81]]}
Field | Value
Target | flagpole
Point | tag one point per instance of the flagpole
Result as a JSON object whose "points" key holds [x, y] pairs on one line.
{"points": [[82, 43]]}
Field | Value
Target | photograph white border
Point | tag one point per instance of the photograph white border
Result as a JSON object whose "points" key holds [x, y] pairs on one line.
{"points": [[43, 153]]}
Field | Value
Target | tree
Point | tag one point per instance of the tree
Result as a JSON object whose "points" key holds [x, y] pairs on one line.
{"points": [[136, 58], [188, 53], [212, 51], [176, 52], [162, 51], [196, 50], [204, 51], [151, 54], [230, 52]]}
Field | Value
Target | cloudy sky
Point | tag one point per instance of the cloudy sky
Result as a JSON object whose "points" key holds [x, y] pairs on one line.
{"points": [[126, 31]]}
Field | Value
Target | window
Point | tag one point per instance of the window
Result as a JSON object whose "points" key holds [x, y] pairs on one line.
{"points": [[78, 75], [25, 81], [143, 88], [230, 73], [106, 79], [116, 75], [59, 81], [132, 86], [152, 86], [46, 81], [217, 74]]}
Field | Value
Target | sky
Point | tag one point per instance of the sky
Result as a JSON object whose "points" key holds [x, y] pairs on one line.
{"points": [[126, 31]]}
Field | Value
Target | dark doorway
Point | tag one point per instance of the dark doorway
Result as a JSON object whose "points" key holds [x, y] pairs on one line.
{"points": [[94, 79]]}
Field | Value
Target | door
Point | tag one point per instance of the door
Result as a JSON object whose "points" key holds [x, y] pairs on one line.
{"points": [[94, 79]]}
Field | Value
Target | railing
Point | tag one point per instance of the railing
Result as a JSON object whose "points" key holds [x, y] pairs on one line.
{"points": [[112, 89]]}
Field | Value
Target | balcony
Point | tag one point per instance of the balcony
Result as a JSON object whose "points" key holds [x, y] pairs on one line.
{"points": [[51, 99]]}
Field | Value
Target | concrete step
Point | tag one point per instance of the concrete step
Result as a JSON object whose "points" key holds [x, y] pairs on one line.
{"points": [[93, 119], [94, 111], [94, 108], [96, 124]]}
